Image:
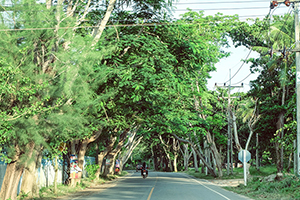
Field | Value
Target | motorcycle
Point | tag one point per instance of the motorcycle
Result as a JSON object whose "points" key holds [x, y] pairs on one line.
{"points": [[145, 173]]}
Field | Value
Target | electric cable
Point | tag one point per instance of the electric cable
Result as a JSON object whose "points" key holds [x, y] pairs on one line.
{"points": [[176, 3], [159, 24], [116, 25], [145, 20], [177, 10], [252, 73], [223, 2], [243, 79], [270, 25], [269, 15], [289, 14]]}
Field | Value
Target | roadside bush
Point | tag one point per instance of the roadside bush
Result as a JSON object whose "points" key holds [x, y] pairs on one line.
{"points": [[91, 170]]}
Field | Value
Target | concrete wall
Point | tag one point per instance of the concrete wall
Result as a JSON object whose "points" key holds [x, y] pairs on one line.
{"points": [[46, 172], [2, 172]]}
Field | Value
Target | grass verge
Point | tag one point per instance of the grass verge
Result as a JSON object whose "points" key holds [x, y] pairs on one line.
{"points": [[257, 187]]}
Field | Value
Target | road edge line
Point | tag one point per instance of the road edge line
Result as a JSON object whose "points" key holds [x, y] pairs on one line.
{"points": [[207, 187]]}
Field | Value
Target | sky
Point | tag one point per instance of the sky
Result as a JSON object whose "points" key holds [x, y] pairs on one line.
{"points": [[245, 9]]}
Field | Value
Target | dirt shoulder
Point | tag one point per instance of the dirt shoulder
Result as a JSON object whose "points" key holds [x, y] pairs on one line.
{"points": [[227, 182], [92, 189]]}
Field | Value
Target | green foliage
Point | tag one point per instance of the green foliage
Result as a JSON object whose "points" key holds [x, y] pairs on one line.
{"points": [[23, 195], [288, 188], [55, 88], [275, 84], [91, 169]]}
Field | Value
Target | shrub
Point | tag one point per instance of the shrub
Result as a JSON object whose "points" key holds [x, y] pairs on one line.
{"points": [[91, 170]]}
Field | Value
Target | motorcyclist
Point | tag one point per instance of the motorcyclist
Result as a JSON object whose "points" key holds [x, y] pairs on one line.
{"points": [[144, 167]]}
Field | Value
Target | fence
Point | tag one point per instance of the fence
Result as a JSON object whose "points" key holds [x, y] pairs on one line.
{"points": [[46, 172]]}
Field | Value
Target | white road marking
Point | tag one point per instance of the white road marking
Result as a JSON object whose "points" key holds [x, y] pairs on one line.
{"points": [[208, 187]]}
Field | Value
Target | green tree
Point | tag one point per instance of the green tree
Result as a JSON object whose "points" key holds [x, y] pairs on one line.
{"points": [[276, 80]]}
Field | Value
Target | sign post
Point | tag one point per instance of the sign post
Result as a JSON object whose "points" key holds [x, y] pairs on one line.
{"points": [[244, 157]]}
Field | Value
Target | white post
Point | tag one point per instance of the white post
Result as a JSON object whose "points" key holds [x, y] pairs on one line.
{"points": [[245, 167]]}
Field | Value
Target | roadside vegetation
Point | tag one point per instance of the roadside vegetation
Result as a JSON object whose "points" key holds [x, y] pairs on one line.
{"points": [[259, 184], [238, 173], [63, 191], [258, 188]]}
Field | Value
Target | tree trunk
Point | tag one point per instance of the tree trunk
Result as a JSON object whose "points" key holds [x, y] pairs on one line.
{"points": [[186, 156], [235, 133], [290, 161], [209, 168], [175, 161], [214, 163], [56, 174], [11, 180], [100, 158], [109, 169], [99, 30], [29, 187], [206, 155], [81, 153], [155, 160], [102, 155], [166, 149], [131, 146], [48, 4], [215, 153], [256, 153], [168, 160], [210, 141], [278, 146], [161, 161], [176, 147], [13, 174], [195, 160]]}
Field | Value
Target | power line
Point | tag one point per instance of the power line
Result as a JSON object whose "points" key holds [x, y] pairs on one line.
{"points": [[243, 79], [225, 2], [145, 20], [116, 25], [252, 73], [207, 9], [269, 15], [270, 24], [289, 14], [241, 65], [174, 4], [76, 27], [177, 10]]}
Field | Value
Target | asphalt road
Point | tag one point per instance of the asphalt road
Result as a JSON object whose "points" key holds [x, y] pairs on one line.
{"points": [[163, 186]]}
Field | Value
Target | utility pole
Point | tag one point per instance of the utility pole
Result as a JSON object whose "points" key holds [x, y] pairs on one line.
{"points": [[297, 59], [229, 133]]}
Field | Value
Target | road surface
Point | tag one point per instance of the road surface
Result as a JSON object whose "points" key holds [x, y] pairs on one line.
{"points": [[162, 186]]}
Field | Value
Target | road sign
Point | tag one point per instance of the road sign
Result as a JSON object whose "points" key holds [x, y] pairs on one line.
{"points": [[241, 155]]}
